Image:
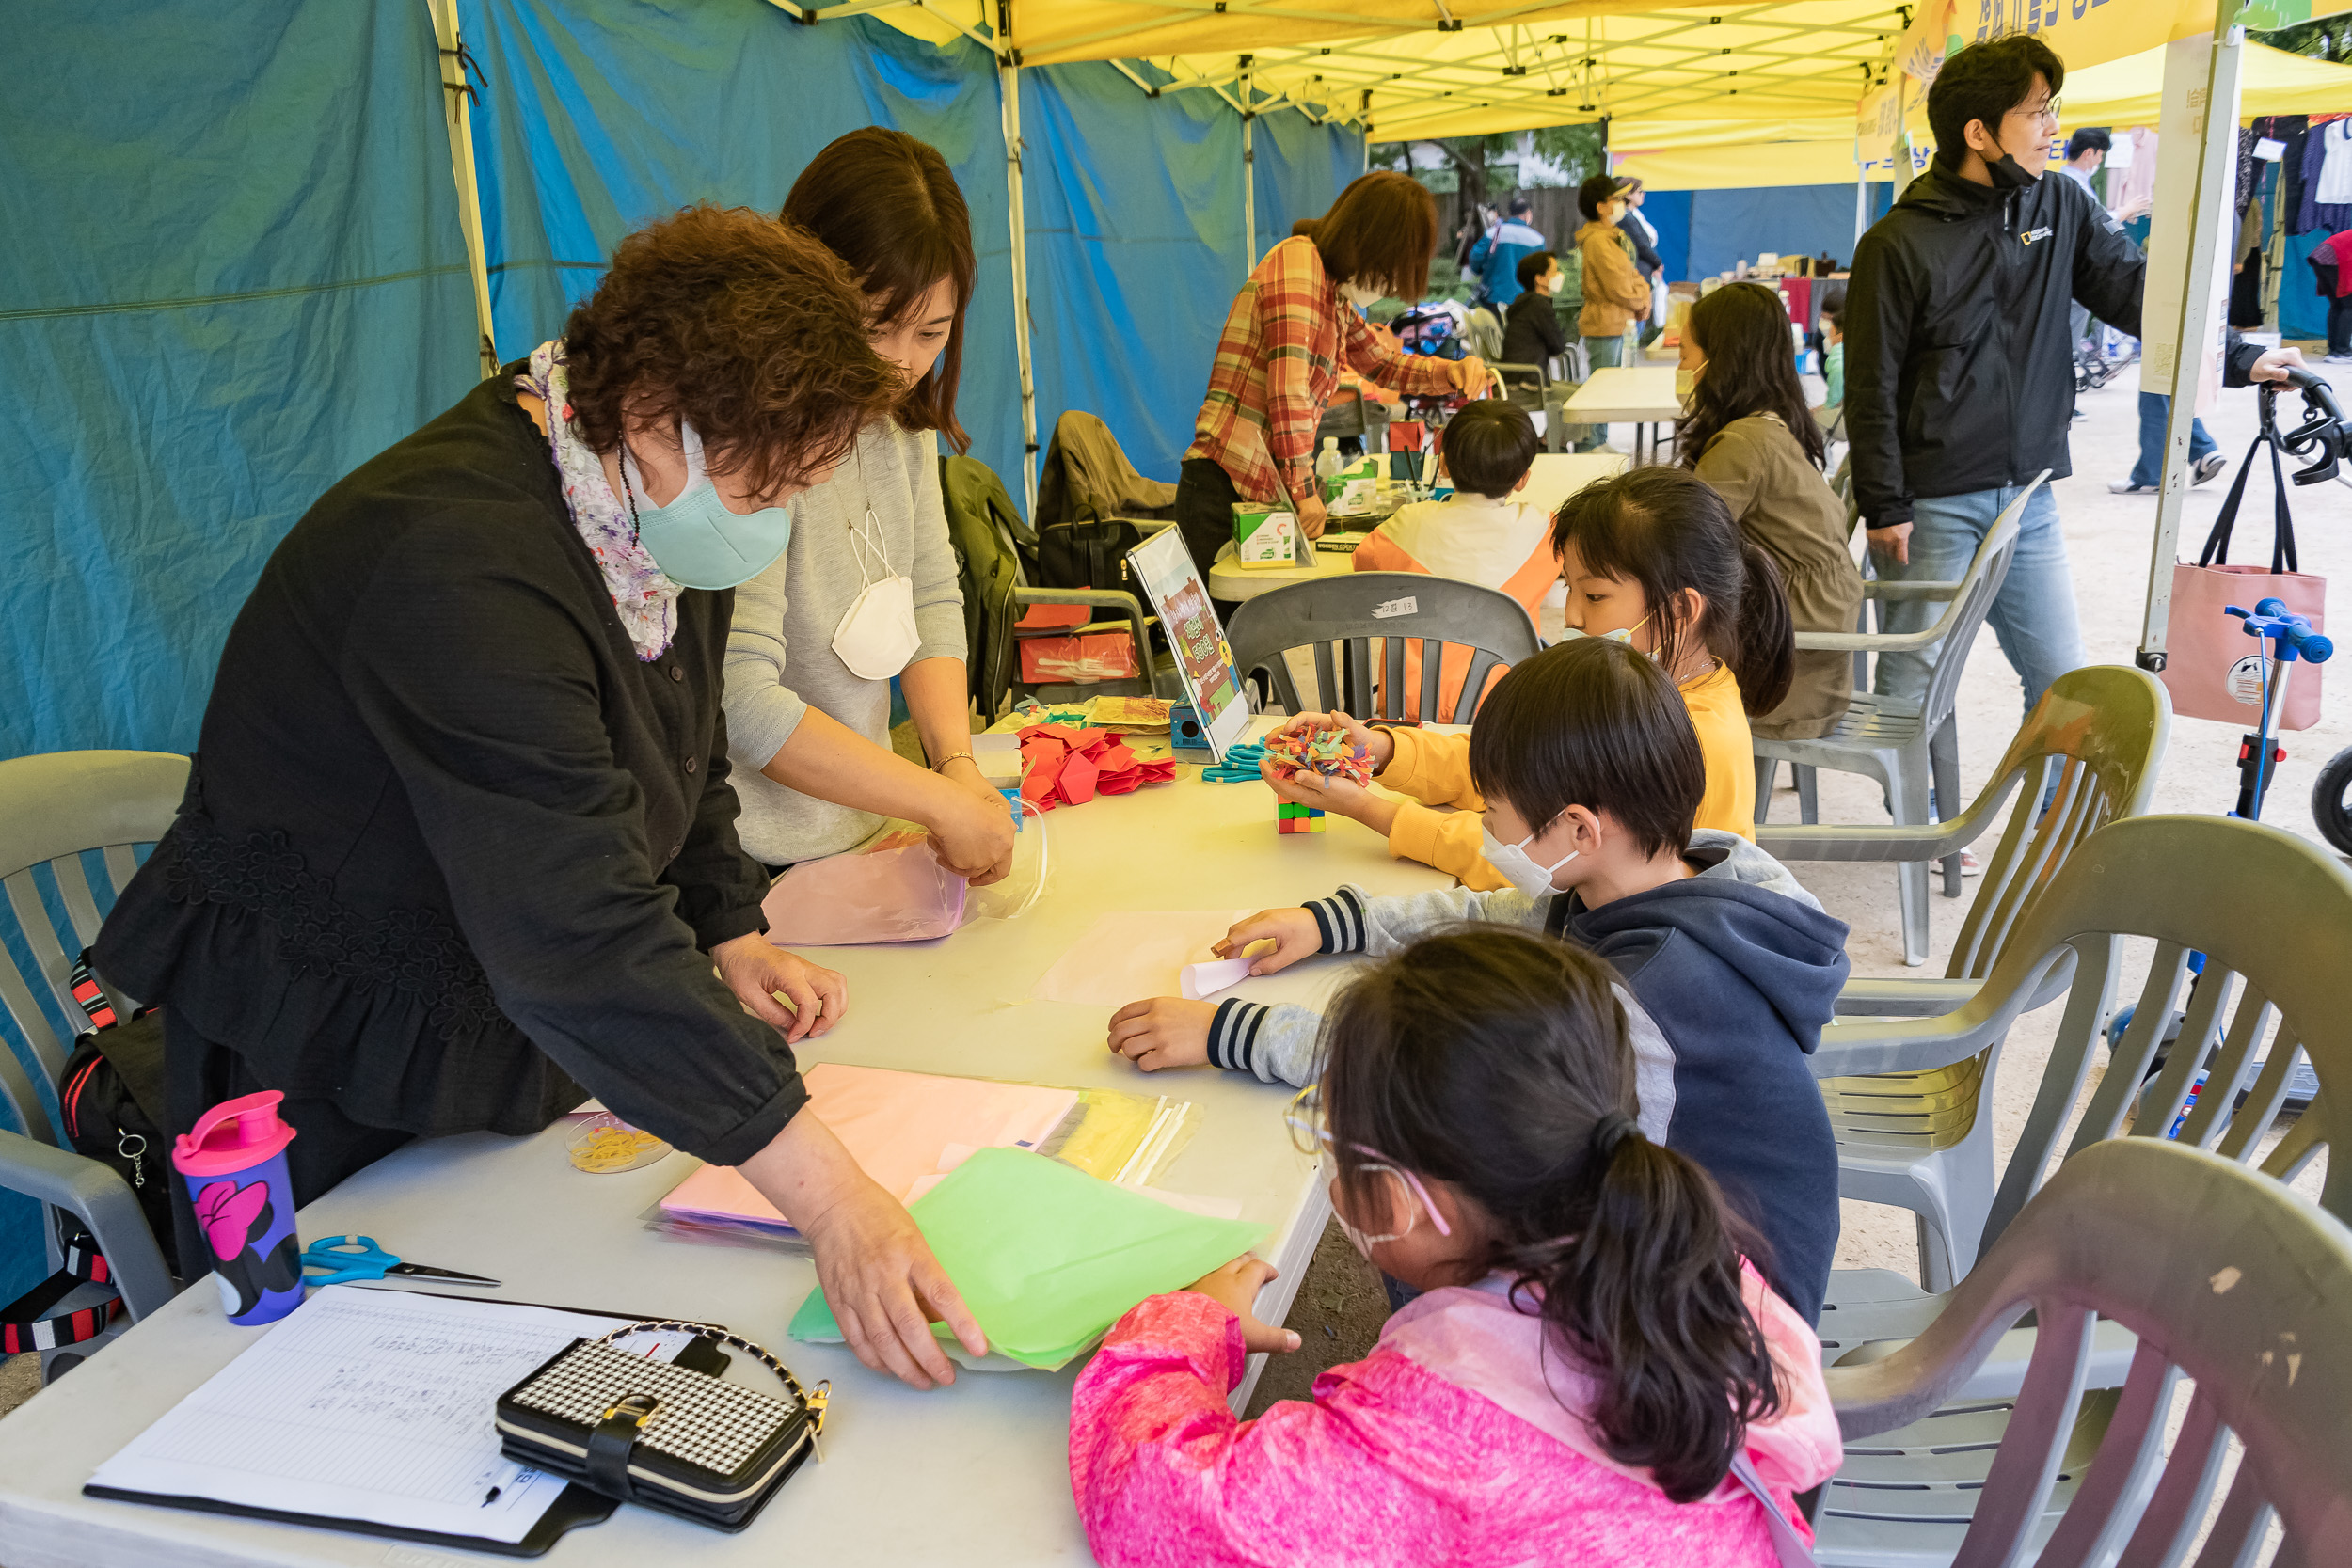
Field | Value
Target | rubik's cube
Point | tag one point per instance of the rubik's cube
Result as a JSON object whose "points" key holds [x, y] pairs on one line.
{"points": [[1289, 818]]}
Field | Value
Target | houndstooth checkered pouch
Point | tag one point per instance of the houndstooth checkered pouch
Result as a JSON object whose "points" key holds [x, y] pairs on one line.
{"points": [[650, 1431]]}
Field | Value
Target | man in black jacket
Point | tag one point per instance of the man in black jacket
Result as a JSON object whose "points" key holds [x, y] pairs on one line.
{"points": [[1960, 382]]}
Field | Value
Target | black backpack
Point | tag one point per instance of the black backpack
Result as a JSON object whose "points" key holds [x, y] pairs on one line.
{"points": [[113, 1099]]}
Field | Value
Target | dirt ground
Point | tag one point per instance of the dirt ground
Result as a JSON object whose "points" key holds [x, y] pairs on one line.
{"points": [[1340, 1306]]}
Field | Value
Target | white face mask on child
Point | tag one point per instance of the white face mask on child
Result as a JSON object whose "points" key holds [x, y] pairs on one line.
{"points": [[1518, 867]]}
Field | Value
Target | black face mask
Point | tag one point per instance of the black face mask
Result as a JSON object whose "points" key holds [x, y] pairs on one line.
{"points": [[2008, 174]]}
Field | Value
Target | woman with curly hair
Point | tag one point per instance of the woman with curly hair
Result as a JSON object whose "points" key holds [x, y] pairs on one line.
{"points": [[460, 847], [867, 591]]}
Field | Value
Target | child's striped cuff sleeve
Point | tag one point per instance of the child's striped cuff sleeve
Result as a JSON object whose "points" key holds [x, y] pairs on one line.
{"points": [[1233, 1035], [1341, 919]]}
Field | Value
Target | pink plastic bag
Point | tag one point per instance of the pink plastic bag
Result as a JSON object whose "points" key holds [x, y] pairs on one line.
{"points": [[891, 890]]}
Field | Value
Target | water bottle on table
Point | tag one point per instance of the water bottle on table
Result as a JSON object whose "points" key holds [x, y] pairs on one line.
{"points": [[233, 1163]]}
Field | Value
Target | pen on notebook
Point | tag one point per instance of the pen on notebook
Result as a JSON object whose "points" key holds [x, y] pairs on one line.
{"points": [[491, 1496]]}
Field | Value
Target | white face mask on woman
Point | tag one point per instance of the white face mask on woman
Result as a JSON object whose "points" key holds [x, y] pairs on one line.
{"points": [[1361, 296]]}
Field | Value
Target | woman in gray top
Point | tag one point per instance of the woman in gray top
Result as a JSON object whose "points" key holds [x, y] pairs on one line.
{"points": [[868, 589]]}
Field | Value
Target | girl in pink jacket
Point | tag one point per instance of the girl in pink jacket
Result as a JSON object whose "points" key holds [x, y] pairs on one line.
{"points": [[1594, 1375]]}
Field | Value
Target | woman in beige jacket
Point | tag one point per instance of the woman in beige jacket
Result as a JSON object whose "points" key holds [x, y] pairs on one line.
{"points": [[1615, 294]]}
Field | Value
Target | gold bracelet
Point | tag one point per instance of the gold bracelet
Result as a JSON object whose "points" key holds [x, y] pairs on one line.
{"points": [[960, 756]]}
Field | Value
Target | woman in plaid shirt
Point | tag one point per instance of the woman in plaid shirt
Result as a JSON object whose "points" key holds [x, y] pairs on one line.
{"points": [[1293, 326]]}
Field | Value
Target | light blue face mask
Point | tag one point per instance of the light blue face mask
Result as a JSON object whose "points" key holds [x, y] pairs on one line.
{"points": [[696, 540]]}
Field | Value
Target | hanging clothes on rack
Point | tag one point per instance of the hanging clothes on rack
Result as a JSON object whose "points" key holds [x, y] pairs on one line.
{"points": [[2326, 149]]}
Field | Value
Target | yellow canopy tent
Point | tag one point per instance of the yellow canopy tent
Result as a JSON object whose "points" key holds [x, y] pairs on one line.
{"points": [[1675, 156]]}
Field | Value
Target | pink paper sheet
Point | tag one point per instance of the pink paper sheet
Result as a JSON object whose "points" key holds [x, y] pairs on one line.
{"points": [[900, 1126], [1132, 954]]}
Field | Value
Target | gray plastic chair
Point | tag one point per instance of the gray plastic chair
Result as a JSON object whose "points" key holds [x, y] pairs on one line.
{"points": [[1907, 746], [2225, 1280], [1397, 608], [1923, 1141], [2272, 913], [53, 808]]}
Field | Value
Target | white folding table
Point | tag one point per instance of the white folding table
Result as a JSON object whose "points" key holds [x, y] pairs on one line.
{"points": [[976, 1473]]}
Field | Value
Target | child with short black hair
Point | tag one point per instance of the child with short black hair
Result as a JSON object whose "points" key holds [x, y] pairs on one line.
{"points": [[1481, 534], [1591, 773], [1592, 1374], [1651, 558]]}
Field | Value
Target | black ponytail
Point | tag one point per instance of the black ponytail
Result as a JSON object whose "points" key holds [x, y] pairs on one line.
{"points": [[1497, 1062], [1764, 639], [1670, 534]]}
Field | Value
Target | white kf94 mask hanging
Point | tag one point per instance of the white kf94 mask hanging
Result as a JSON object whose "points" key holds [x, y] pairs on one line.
{"points": [[878, 636]]}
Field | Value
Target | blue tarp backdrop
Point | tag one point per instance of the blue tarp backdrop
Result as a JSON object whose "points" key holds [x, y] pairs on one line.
{"points": [[207, 320], [601, 114], [238, 272]]}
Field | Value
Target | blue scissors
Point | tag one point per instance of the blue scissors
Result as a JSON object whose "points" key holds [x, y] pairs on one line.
{"points": [[350, 1257]]}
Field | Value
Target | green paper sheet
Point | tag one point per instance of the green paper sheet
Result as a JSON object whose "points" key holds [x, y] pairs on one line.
{"points": [[1049, 1258]]}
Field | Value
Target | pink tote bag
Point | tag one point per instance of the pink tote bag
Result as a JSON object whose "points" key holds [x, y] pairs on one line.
{"points": [[2211, 667]]}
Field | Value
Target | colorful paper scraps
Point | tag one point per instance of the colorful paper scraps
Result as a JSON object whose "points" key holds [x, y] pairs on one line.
{"points": [[1070, 766], [1326, 753], [1129, 715]]}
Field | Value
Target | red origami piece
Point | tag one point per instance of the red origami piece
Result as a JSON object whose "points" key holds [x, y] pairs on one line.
{"points": [[1061, 766]]}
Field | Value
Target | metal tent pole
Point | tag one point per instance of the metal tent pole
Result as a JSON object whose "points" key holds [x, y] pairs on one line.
{"points": [[1249, 171], [458, 95], [1008, 83], [2200, 103]]}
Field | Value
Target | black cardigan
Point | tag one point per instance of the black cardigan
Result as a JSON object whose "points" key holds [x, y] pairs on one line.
{"points": [[451, 850]]}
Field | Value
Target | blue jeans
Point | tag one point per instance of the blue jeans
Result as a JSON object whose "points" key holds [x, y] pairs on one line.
{"points": [[2033, 615], [2154, 409]]}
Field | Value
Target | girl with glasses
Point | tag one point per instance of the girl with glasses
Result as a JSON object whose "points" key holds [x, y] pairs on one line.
{"points": [[1594, 1374]]}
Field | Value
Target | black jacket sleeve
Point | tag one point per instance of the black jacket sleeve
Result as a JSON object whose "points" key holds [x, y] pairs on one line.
{"points": [[2111, 274], [479, 684], [719, 887], [2238, 360], [1880, 303]]}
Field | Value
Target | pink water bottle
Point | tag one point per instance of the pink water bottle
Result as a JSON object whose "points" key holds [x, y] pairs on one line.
{"points": [[234, 1165]]}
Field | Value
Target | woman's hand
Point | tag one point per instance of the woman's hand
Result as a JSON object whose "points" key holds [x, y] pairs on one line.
{"points": [[1163, 1031], [965, 774], [1235, 1287], [1293, 933], [972, 837], [1470, 375], [1311, 516], [884, 1286], [755, 969]]}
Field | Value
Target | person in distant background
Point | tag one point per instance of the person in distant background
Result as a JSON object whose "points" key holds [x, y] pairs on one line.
{"points": [[1832, 351], [2085, 154], [1531, 333], [1497, 255], [1614, 294], [1645, 237]]}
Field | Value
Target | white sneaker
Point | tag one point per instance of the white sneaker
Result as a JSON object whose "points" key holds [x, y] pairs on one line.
{"points": [[2208, 466], [2125, 487], [1969, 864]]}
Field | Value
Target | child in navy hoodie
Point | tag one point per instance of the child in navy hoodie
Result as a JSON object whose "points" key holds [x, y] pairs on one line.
{"points": [[1592, 774]]}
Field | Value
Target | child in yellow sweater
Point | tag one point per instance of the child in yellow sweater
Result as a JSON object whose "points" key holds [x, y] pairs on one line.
{"points": [[1652, 559]]}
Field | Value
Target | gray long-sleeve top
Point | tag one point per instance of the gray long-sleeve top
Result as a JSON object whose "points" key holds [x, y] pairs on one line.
{"points": [[780, 659]]}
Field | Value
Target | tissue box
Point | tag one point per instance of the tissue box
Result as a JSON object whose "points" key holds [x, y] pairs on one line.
{"points": [[1266, 538]]}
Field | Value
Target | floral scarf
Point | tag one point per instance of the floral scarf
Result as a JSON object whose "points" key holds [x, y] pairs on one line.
{"points": [[645, 599]]}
